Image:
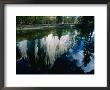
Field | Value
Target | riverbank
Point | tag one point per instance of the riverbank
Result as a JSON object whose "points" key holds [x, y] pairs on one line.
{"points": [[33, 27], [42, 26]]}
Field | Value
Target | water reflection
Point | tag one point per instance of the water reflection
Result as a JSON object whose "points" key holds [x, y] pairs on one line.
{"points": [[22, 45], [48, 53]]}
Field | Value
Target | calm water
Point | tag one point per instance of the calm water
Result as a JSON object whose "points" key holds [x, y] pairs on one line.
{"points": [[54, 51]]}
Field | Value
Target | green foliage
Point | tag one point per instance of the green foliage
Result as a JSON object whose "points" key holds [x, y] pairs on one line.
{"points": [[86, 20], [59, 19], [81, 21], [31, 20], [85, 24]]}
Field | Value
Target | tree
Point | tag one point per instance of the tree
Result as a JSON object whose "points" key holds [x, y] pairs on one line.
{"points": [[59, 19]]}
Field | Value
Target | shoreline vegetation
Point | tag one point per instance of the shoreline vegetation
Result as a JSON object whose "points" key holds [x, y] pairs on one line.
{"points": [[40, 22]]}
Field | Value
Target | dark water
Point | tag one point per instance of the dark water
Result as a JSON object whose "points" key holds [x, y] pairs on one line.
{"points": [[54, 51]]}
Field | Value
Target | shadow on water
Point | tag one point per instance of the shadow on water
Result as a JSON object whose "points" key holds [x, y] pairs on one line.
{"points": [[55, 51]]}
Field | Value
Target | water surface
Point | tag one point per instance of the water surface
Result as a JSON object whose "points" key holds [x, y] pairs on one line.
{"points": [[54, 51]]}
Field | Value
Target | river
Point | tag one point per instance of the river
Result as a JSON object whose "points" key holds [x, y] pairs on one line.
{"points": [[54, 51]]}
